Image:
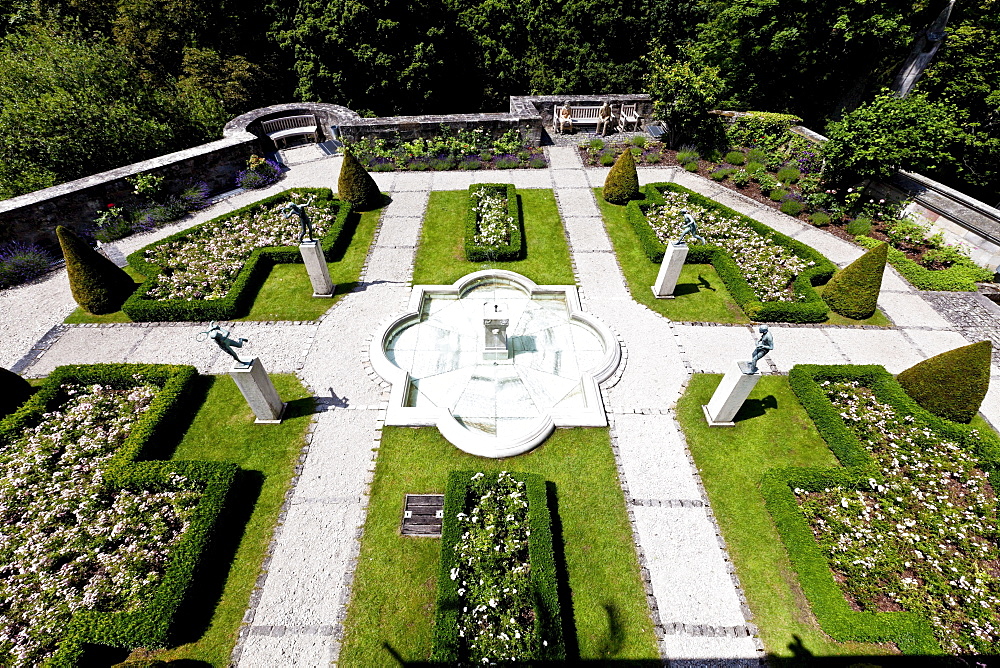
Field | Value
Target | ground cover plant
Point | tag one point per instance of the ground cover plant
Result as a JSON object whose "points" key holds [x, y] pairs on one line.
{"points": [[770, 275], [604, 611], [98, 547], [440, 257], [464, 149], [493, 224], [497, 588], [772, 430], [899, 545], [210, 271], [21, 262]]}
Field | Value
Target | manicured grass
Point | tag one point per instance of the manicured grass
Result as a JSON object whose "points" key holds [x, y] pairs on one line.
{"points": [[223, 429], [701, 294], [772, 430], [392, 605], [287, 293], [441, 255]]}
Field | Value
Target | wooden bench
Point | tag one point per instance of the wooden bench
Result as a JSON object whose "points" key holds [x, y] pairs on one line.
{"points": [[290, 126], [580, 115]]}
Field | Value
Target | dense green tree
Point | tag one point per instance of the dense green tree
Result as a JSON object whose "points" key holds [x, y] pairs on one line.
{"points": [[683, 93]]}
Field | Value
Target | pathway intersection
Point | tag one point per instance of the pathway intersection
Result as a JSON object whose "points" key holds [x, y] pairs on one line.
{"points": [[298, 607]]}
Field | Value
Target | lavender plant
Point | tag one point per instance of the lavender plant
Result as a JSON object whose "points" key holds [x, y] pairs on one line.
{"points": [[21, 262]]}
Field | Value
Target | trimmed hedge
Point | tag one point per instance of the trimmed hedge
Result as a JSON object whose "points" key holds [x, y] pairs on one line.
{"points": [[910, 631], [147, 626], [98, 284], [959, 277], [356, 185], [952, 384], [548, 618], [255, 270], [622, 182], [811, 309], [853, 291], [513, 249], [16, 391]]}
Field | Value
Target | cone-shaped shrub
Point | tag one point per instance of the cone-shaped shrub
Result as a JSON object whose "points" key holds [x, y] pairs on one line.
{"points": [[853, 291], [98, 285], [356, 185], [622, 183], [952, 384], [14, 391]]}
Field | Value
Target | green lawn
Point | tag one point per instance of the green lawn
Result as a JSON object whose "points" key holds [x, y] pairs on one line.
{"points": [[287, 293], [392, 605], [223, 429], [701, 296], [772, 430], [441, 255]]}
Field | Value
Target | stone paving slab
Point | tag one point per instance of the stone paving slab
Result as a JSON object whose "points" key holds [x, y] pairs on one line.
{"points": [[841, 252], [687, 566], [654, 458], [391, 265], [493, 176], [290, 649], [338, 457], [686, 651], [932, 342], [405, 181], [893, 282], [889, 348], [713, 349], [452, 180], [563, 157], [531, 178], [600, 271], [577, 202], [587, 234], [647, 174], [406, 205], [384, 180], [569, 178], [399, 230], [991, 403], [792, 345], [910, 310]]}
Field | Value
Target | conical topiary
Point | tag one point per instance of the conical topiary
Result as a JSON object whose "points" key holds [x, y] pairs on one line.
{"points": [[622, 183], [98, 284], [14, 391], [356, 185], [952, 384], [853, 291]]}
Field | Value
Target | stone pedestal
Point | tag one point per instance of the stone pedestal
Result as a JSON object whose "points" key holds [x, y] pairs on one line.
{"points": [[319, 273], [670, 270], [495, 323], [259, 391], [734, 389]]}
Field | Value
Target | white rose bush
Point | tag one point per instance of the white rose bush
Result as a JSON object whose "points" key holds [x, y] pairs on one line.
{"points": [[492, 224]]}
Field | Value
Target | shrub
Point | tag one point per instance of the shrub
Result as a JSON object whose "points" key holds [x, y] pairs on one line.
{"points": [[953, 384], [853, 291], [906, 231], [961, 276], [98, 285], [16, 391], [858, 227], [538, 162], [259, 173], [544, 627], [639, 140], [754, 167], [622, 183], [757, 155], [687, 155], [595, 144], [510, 247], [470, 163], [792, 207], [946, 255], [720, 174], [607, 158], [691, 167], [778, 194], [736, 158], [195, 195], [766, 182], [651, 157], [356, 185], [820, 219], [442, 164], [740, 177], [159, 214], [20, 262], [418, 164], [507, 162], [788, 175]]}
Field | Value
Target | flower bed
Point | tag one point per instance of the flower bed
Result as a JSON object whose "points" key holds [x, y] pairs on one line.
{"points": [[497, 597], [210, 271], [961, 275], [96, 547], [771, 276], [908, 527], [493, 226], [466, 149]]}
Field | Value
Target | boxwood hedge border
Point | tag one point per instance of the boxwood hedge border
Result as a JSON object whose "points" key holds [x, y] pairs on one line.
{"points": [[811, 309], [509, 252], [147, 626], [237, 301], [910, 631], [959, 277], [548, 618]]}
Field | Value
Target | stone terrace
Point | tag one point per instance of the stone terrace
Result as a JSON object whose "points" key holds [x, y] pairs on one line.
{"points": [[296, 613]]}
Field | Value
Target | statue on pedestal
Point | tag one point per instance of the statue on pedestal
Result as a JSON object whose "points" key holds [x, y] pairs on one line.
{"points": [[764, 345], [690, 228], [296, 209], [222, 338]]}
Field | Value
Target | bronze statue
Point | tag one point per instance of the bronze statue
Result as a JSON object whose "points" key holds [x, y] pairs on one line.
{"points": [[294, 208], [690, 227], [222, 338], [764, 345]]}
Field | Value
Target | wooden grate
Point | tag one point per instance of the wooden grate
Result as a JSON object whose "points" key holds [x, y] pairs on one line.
{"points": [[423, 515]]}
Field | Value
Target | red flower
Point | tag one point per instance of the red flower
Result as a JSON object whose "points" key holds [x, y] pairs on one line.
{"points": [[110, 206]]}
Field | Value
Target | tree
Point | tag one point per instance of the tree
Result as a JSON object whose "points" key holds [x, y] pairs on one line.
{"points": [[622, 183], [892, 133], [683, 93], [356, 185], [953, 384], [853, 291], [98, 284]]}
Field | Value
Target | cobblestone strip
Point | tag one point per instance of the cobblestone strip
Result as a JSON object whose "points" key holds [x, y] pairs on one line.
{"points": [[39, 348]]}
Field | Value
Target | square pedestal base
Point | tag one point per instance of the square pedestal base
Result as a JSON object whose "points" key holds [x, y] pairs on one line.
{"points": [[259, 392], [653, 288], [711, 423]]}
